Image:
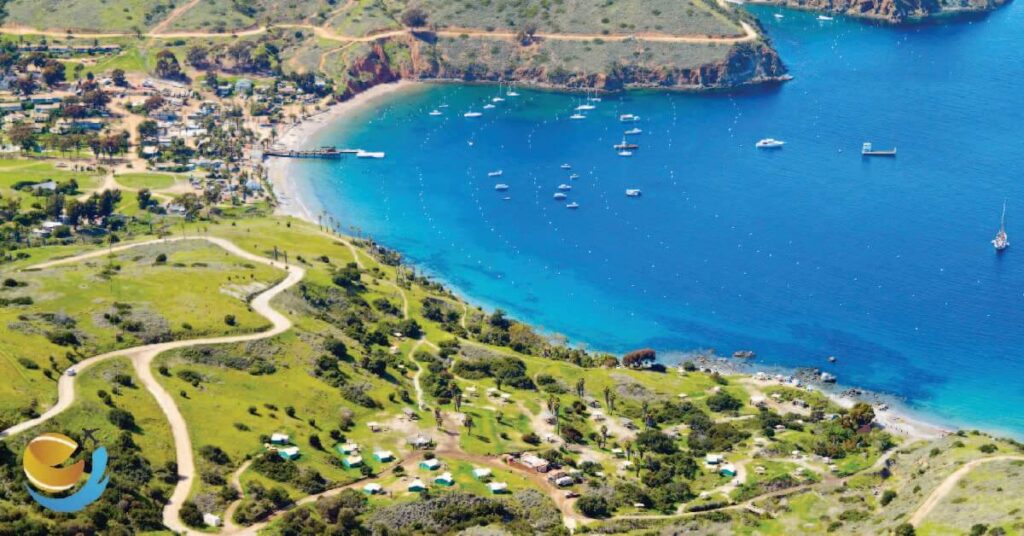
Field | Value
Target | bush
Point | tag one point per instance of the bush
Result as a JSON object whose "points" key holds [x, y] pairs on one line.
{"points": [[214, 454], [887, 497], [191, 515], [593, 506], [161, 258], [905, 529], [723, 401], [121, 419], [230, 320], [988, 448]]}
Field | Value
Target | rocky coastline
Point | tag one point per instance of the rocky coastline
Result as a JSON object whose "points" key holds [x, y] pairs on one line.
{"points": [[894, 11], [745, 64]]}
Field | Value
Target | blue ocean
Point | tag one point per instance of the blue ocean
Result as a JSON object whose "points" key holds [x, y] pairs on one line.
{"points": [[798, 254]]}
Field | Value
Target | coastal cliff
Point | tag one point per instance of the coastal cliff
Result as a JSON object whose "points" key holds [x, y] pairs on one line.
{"points": [[895, 11], [722, 67]]}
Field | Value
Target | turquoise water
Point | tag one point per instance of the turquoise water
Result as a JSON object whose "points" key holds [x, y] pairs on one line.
{"points": [[798, 254]]}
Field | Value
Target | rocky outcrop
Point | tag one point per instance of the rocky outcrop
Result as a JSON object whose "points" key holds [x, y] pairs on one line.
{"points": [[895, 11], [744, 64]]}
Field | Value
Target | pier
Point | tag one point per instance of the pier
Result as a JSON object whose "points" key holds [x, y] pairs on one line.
{"points": [[322, 152]]}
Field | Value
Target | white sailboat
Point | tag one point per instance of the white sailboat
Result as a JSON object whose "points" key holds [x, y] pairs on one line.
{"points": [[1001, 241], [511, 91]]}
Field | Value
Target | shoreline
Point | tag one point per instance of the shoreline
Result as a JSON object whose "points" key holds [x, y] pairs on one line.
{"points": [[289, 199], [897, 418]]}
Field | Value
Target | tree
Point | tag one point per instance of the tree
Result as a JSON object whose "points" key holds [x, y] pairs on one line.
{"points": [[191, 515], [580, 385], [148, 129], [121, 419], [593, 506], [860, 414], [723, 401], [887, 497], [639, 358], [167, 65], [905, 529], [26, 85], [22, 135], [197, 56], [526, 34], [468, 423], [53, 73], [414, 17], [117, 76]]}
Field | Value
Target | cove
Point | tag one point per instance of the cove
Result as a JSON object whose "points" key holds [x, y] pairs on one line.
{"points": [[798, 254]]}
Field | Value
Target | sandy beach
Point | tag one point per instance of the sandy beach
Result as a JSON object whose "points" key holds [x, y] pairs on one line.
{"points": [[297, 135]]}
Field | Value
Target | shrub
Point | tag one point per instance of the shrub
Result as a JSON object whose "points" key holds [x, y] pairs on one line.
{"points": [[988, 448], [593, 506], [887, 497], [121, 419], [191, 515], [230, 320], [723, 401]]}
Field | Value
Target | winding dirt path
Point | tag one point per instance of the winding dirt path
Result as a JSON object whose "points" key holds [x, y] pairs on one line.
{"points": [[142, 358], [173, 16], [949, 483]]}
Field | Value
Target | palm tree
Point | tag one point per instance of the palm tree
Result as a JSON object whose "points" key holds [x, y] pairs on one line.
{"points": [[439, 418], [580, 387], [458, 401], [644, 408], [604, 435]]}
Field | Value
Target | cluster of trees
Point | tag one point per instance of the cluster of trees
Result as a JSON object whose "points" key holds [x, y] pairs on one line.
{"points": [[505, 370], [241, 56]]}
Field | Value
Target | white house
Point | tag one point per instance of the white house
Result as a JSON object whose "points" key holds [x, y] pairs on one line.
{"points": [[372, 488], [498, 487], [481, 472], [278, 438]]}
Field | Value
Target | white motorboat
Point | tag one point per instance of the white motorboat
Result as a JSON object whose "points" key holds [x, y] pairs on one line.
{"points": [[435, 113], [824, 18], [633, 132], [625, 153], [565, 166], [577, 117], [573, 205], [629, 118], [574, 176], [489, 107], [497, 173], [1002, 241], [770, 143], [501, 187], [472, 114], [633, 192], [369, 154], [560, 196], [564, 187], [585, 107]]}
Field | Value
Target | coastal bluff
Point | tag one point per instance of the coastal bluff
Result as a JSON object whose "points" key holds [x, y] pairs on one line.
{"points": [[712, 68], [895, 11]]}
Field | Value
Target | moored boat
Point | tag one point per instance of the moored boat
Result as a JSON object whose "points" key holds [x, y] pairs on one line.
{"points": [[501, 187], [1001, 241], [770, 143], [472, 114], [633, 192], [868, 150], [497, 173], [573, 205], [559, 196]]}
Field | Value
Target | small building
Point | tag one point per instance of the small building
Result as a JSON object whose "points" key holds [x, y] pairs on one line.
{"points": [[758, 402], [383, 456], [373, 488], [597, 416], [243, 85], [535, 462], [289, 453], [211, 520], [374, 426], [278, 438], [431, 465], [353, 461], [498, 488], [728, 470], [481, 473], [348, 448], [618, 453], [713, 459], [417, 486], [445, 479], [419, 442]]}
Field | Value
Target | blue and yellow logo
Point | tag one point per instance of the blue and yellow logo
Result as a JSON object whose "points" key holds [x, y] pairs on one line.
{"points": [[42, 464]]}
